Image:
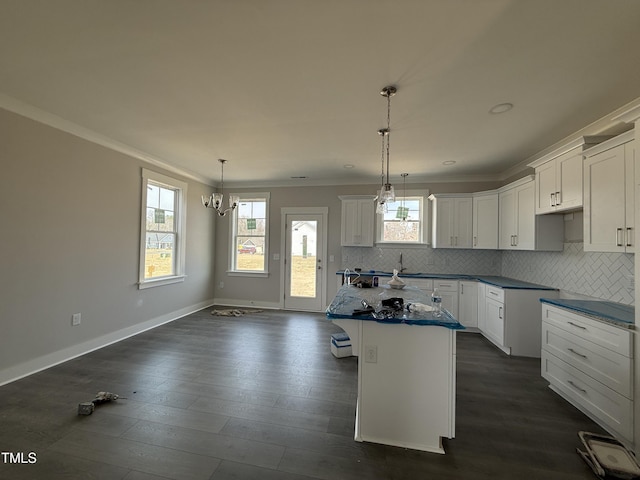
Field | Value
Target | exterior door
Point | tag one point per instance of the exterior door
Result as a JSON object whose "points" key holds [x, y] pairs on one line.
{"points": [[304, 264]]}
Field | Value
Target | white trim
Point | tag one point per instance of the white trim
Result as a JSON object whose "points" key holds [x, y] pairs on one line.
{"points": [[231, 271], [43, 362], [284, 211], [181, 230], [34, 113]]}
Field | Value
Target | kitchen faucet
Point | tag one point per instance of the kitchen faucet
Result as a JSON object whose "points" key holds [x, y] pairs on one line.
{"points": [[402, 269]]}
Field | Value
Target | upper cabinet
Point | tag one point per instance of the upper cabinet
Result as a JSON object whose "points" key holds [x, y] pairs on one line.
{"points": [[358, 214], [519, 227], [451, 220], [609, 171], [559, 177], [485, 220]]}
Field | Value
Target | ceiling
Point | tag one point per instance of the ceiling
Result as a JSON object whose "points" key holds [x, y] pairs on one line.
{"points": [[290, 88]]}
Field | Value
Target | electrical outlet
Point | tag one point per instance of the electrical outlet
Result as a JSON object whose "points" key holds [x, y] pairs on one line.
{"points": [[371, 353], [76, 318], [221, 285]]}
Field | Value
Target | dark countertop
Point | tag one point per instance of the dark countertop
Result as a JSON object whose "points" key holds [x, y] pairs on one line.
{"points": [[349, 299], [502, 282], [615, 313]]}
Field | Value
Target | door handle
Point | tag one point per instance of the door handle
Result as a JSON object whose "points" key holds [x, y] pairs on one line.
{"points": [[558, 199], [629, 237], [552, 200], [475, 241], [619, 237], [500, 313], [576, 386]]}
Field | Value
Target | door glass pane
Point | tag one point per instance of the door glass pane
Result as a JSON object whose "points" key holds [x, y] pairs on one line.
{"points": [[303, 258]]}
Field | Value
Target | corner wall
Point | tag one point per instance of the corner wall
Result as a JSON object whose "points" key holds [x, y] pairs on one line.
{"points": [[70, 244]]}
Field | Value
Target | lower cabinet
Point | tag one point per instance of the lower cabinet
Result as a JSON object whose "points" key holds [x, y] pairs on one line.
{"points": [[510, 319], [448, 290], [589, 364], [468, 304]]}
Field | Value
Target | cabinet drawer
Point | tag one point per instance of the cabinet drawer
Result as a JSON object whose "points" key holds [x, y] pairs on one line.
{"points": [[608, 336], [425, 284], [605, 406], [495, 293], [607, 367], [446, 285]]}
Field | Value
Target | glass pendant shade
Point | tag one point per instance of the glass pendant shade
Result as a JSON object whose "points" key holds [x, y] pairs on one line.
{"points": [[388, 193]]}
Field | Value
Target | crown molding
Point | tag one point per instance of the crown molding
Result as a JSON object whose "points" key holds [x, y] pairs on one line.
{"points": [[34, 113]]}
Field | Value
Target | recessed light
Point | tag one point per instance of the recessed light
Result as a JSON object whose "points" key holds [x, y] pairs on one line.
{"points": [[348, 166], [449, 162], [300, 176], [501, 108]]}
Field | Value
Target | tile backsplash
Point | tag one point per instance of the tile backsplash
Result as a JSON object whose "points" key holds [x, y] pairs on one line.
{"points": [[608, 276]]}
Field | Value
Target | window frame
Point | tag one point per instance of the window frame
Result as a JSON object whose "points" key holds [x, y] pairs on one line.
{"points": [[424, 220], [233, 251], [149, 177]]}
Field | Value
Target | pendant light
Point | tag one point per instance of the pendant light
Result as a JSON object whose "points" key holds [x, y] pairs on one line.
{"points": [[215, 199], [388, 194], [403, 212], [382, 206]]}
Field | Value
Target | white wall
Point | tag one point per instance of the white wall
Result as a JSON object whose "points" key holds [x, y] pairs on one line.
{"points": [[70, 213]]}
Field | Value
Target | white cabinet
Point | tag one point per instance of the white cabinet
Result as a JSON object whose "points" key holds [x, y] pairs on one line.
{"points": [[448, 290], [609, 171], [511, 319], [520, 227], [559, 177], [358, 213], [485, 220], [482, 301], [468, 304], [451, 221], [589, 363]]}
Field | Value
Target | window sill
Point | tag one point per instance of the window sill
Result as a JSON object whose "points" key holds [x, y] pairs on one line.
{"points": [[160, 282], [248, 273], [401, 245]]}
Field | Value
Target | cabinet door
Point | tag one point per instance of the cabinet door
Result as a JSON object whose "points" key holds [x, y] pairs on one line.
{"points": [[507, 208], [546, 187], [630, 206], [604, 201], [525, 238], [494, 321], [468, 304], [463, 222], [357, 222], [366, 218], [485, 221], [482, 306], [569, 181], [443, 215]]}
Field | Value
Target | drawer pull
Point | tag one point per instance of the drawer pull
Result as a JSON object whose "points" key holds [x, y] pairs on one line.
{"points": [[576, 353], [576, 325], [493, 293], [576, 387]]}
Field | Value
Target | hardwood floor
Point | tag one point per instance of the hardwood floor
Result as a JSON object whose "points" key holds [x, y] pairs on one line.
{"points": [[261, 397]]}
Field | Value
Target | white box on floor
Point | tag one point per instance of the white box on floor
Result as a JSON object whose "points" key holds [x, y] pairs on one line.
{"points": [[341, 345]]}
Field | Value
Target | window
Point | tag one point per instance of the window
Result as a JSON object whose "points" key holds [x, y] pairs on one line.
{"points": [[394, 227], [249, 234], [162, 243]]}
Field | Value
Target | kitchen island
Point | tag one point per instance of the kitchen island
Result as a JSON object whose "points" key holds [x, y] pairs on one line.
{"points": [[406, 368]]}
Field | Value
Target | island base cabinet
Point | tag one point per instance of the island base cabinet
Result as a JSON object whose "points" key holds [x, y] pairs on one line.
{"points": [[406, 385]]}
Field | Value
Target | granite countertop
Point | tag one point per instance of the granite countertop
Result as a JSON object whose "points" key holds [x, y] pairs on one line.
{"points": [[502, 282], [615, 313]]}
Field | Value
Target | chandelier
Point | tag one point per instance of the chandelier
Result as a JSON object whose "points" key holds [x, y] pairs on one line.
{"points": [[215, 199], [387, 193]]}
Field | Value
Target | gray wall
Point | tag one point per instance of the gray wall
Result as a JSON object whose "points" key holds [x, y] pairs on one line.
{"points": [[70, 213]]}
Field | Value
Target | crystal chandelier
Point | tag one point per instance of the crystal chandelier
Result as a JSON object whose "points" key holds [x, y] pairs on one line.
{"points": [[387, 193], [215, 199]]}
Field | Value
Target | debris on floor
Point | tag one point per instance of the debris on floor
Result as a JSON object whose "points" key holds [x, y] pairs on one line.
{"points": [[232, 312], [87, 408], [607, 457]]}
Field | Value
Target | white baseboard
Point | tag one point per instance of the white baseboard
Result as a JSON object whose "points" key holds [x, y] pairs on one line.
{"points": [[38, 364], [236, 302]]}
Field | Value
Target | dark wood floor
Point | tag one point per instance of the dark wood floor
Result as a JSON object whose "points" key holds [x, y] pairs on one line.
{"points": [[261, 397]]}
